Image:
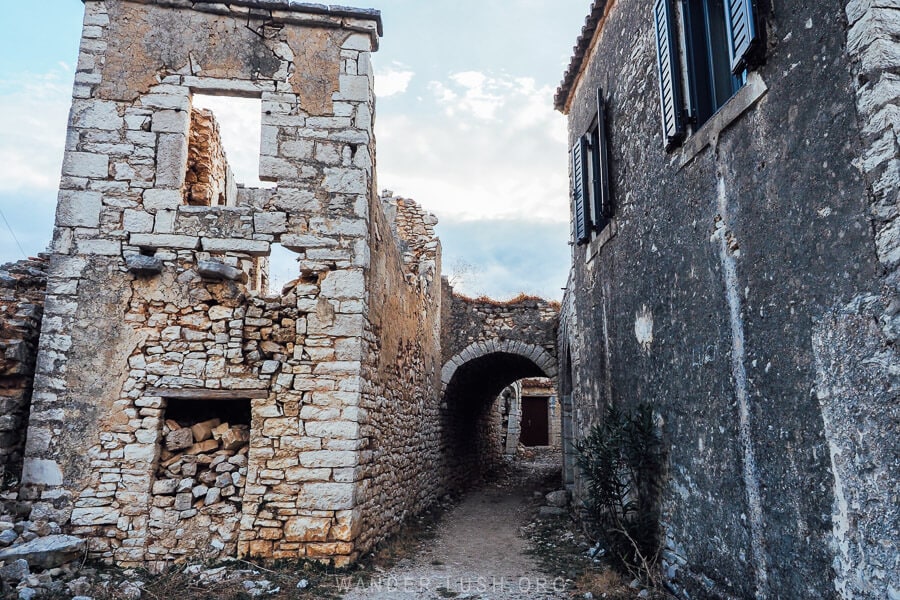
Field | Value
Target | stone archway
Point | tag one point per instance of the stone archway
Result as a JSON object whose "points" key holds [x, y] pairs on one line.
{"points": [[536, 354], [472, 382]]}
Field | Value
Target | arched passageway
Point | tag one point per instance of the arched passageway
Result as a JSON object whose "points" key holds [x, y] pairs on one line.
{"points": [[472, 381]]}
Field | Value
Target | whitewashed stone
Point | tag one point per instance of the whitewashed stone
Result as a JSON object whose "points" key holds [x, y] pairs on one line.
{"points": [[41, 471], [326, 496], [99, 247], [137, 221], [171, 160], [101, 515], [164, 241], [171, 121], [235, 245], [85, 164], [162, 199], [78, 209], [344, 284]]}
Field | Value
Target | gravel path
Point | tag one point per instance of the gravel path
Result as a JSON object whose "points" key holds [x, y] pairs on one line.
{"points": [[478, 552]]}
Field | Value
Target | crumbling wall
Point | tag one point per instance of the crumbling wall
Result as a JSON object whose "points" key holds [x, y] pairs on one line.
{"points": [[720, 300], [22, 286], [209, 180], [153, 303], [400, 464]]}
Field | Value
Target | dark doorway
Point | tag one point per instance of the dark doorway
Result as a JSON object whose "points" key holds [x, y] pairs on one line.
{"points": [[535, 421]]}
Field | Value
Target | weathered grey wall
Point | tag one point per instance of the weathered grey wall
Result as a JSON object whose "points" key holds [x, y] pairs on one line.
{"points": [[715, 302]]}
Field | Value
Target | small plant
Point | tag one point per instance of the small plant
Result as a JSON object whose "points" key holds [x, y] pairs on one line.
{"points": [[621, 461]]}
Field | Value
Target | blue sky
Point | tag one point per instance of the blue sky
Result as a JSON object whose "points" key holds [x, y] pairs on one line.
{"points": [[464, 126]]}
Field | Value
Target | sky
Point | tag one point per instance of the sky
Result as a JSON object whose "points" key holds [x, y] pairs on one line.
{"points": [[464, 125]]}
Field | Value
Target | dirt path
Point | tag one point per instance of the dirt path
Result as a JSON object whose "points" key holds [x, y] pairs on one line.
{"points": [[478, 552]]}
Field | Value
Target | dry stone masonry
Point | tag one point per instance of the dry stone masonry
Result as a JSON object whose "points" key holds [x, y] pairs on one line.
{"points": [[22, 287], [182, 408]]}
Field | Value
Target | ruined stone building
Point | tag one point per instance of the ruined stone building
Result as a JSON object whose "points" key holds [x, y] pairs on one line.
{"points": [[176, 405], [735, 184]]}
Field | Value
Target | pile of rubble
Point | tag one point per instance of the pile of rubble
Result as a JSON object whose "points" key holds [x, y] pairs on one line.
{"points": [[201, 465]]}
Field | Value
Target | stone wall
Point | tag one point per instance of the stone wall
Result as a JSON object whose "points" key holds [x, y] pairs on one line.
{"points": [[854, 345], [743, 295], [157, 308], [400, 418], [487, 345], [208, 181], [22, 286]]}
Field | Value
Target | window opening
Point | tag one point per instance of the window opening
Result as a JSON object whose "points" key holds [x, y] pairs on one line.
{"points": [[203, 459], [282, 268], [709, 62], [226, 133]]}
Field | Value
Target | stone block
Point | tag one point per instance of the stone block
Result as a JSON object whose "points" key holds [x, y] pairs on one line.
{"points": [[164, 240], [85, 164], [179, 439], [354, 87], [171, 121], [96, 114], [164, 487], [171, 160], [137, 221], [140, 452], [358, 41], [214, 269], [46, 552], [203, 447], [234, 438], [340, 180], [329, 459], [326, 496], [184, 501], [143, 265], [41, 471], [101, 515], [344, 285], [162, 199], [307, 529], [99, 247], [270, 222], [78, 209], [254, 247], [204, 430]]}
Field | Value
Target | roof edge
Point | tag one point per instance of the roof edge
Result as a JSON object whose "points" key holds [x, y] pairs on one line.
{"points": [[580, 52], [369, 14]]}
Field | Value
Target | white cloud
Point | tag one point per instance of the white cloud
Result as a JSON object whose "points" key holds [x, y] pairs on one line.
{"points": [[33, 116], [479, 147], [392, 80]]}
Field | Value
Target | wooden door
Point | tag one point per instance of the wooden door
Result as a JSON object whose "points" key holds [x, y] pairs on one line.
{"points": [[535, 421]]}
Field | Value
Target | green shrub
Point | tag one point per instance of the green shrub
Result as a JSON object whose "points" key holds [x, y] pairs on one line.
{"points": [[621, 462]]}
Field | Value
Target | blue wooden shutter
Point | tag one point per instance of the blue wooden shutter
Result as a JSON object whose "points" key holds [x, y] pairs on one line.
{"points": [[742, 34], [578, 176], [604, 197], [669, 74]]}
